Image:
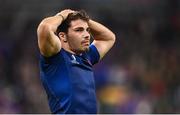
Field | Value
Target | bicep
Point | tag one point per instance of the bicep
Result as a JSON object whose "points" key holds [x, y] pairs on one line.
{"points": [[103, 46], [49, 44]]}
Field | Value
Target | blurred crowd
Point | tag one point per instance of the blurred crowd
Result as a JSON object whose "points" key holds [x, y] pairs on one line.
{"points": [[140, 74]]}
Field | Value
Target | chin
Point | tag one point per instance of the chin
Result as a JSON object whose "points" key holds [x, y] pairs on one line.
{"points": [[81, 50], [86, 49]]}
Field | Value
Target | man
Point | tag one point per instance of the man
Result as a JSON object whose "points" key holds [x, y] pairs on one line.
{"points": [[67, 57]]}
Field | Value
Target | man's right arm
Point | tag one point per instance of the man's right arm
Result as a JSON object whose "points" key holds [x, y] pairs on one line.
{"points": [[48, 42]]}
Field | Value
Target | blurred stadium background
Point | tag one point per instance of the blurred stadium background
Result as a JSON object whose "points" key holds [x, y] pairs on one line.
{"points": [[140, 74]]}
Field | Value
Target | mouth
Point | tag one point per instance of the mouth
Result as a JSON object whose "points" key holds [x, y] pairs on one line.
{"points": [[85, 43]]}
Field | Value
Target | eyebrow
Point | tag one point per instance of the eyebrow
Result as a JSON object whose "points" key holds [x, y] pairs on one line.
{"points": [[88, 28]]}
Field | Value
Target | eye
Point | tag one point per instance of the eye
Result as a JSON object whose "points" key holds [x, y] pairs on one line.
{"points": [[88, 30], [79, 29]]}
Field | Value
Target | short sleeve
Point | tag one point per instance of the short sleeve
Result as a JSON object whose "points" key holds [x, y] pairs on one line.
{"points": [[93, 54], [55, 59]]}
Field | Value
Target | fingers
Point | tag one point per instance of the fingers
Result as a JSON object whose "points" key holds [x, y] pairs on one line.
{"points": [[66, 12]]}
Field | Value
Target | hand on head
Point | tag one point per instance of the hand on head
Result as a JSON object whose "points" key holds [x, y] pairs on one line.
{"points": [[65, 13]]}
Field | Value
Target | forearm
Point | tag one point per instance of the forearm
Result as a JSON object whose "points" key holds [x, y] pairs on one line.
{"points": [[48, 41], [50, 24], [100, 32]]}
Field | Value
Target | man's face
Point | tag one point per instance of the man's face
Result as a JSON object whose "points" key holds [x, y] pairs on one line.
{"points": [[78, 36]]}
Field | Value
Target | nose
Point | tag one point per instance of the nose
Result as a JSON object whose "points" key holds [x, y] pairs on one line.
{"points": [[86, 35]]}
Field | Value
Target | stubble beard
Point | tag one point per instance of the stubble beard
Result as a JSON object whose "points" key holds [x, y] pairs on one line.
{"points": [[86, 49], [79, 51]]}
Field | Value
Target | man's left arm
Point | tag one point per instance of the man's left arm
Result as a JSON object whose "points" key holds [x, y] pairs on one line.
{"points": [[103, 37]]}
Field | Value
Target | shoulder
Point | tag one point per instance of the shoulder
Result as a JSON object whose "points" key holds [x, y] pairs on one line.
{"points": [[93, 54], [58, 57]]}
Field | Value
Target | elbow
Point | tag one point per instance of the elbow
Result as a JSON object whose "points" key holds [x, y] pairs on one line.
{"points": [[46, 26], [43, 27], [113, 37]]}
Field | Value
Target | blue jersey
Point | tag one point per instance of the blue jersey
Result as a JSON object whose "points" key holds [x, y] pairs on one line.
{"points": [[69, 81]]}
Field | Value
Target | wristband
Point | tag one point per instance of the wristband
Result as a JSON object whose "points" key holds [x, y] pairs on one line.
{"points": [[61, 16]]}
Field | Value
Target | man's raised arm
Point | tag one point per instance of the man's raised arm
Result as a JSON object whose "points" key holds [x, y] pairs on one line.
{"points": [[48, 42], [103, 37]]}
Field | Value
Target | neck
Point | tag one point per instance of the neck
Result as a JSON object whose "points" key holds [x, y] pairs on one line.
{"points": [[67, 48]]}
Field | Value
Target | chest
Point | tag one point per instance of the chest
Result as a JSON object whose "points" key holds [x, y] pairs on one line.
{"points": [[80, 72]]}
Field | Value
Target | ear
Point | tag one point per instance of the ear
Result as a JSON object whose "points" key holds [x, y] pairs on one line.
{"points": [[62, 36]]}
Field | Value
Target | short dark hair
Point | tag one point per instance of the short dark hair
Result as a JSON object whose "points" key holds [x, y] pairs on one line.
{"points": [[72, 16]]}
